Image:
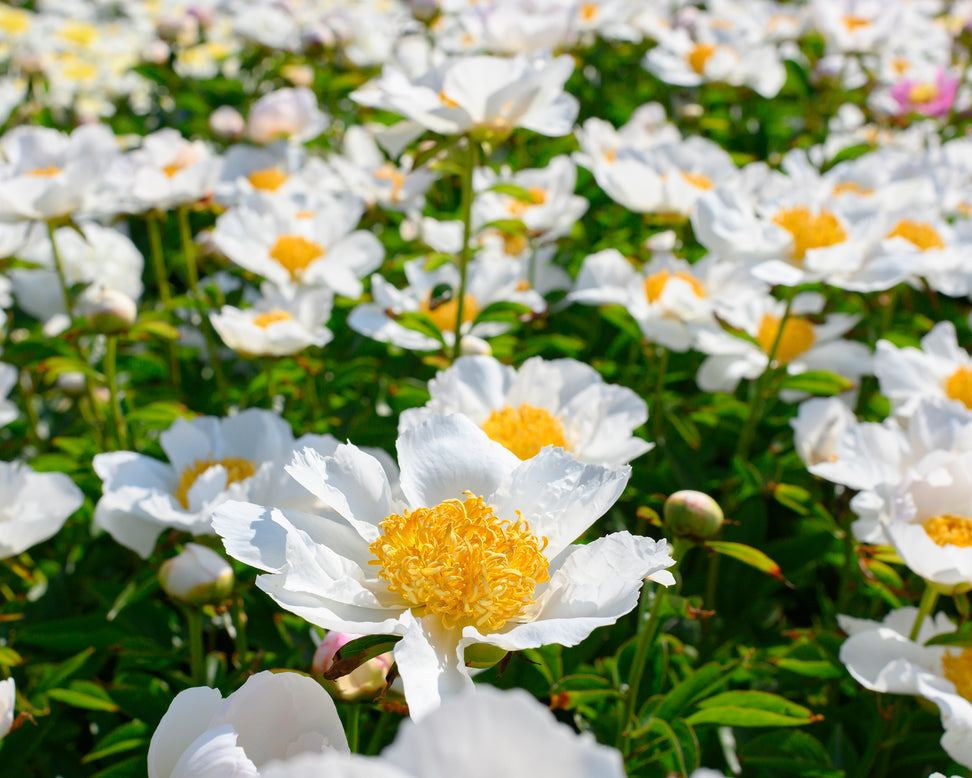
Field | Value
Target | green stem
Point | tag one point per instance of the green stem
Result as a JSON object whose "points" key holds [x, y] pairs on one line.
{"points": [[928, 600], [354, 725], [469, 159], [658, 398], [189, 252], [158, 258], [111, 376], [61, 277], [268, 364], [239, 623], [194, 620]]}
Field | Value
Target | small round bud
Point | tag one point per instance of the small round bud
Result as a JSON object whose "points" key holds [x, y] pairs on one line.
{"points": [[227, 123], [197, 576], [470, 345], [72, 383], [364, 681], [695, 515], [110, 311]]}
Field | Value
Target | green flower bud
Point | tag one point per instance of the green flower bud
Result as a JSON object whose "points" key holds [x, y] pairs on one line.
{"points": [[695, 515]]}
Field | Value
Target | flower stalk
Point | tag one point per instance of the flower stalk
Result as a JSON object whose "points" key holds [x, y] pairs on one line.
{"points": [[470, 155], [111, 377]]}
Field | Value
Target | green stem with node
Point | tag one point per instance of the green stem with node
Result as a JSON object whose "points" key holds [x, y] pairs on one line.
{"points": [[470, 156]]}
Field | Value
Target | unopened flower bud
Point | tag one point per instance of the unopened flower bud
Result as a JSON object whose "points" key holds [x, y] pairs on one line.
{"points": [[424, 10], [690, 514], [110, 311], [197, 576], [227, 123], [365, 680], [157, 52], [72, 383], [470, 345], [298, 75]]}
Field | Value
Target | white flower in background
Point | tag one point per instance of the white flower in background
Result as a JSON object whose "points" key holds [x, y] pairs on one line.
{"points": [[855, 26], [94, 255], [300, 242], [169, 171], [13, 90], [210, 460], [802, 345], [227, 123], [201, 734], [668, 298], [434, 293], [938, 369], [282, 169], [881, 657], [34, 506], [48, 174], [8, 698], [289, 113], [561, 402], [277, 324], [600, 142], [493, 536], [819, 427], [483, 735], [486, 96], [8, 380]]}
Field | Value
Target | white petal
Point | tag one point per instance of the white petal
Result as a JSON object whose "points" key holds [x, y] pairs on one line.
{"points": [[430, 662]]}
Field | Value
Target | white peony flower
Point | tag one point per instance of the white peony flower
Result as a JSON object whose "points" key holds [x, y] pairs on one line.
{"points": [[493, 535], [201, 734], [286, 113], [562, 402], [34, 506], [169, 171], [8, 698]]}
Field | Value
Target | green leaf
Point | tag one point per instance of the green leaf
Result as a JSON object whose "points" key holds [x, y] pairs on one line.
{"points": [[357, 652], [763, 702], [793, 752], [961, 638], [132, 734], [9, 657], [514, 190], [747, 555], [703, 681], [818, 382], [52, 367], [810, 668], [153, 327], [503, 311], [743, 717], [420, 322], [86, 699]]}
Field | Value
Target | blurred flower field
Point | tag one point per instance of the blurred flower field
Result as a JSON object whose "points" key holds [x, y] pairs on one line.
{"points": [[485, 388]]}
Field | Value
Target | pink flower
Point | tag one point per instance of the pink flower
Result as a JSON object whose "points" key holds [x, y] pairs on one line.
{"points": [[928, 98]]}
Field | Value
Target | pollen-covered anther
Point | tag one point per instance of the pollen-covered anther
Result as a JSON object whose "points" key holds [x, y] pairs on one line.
{"points": [[237, 469], [264, 320], [796, 338], [958, 669], [444, 313], [958, 386], [810, 230], [700, 54], [949, 530], [920, 234], [43, 172], [268, 179], [698, 180], [655, 284], [295, 253], [461, 563], [524, 430]]}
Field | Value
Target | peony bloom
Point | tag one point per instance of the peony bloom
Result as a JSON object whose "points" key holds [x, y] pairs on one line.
{"points": [[483, 735], [286, 113], [562, 403], [201, 734], [169, 171], [8, 698], [478, 551], [34, 506], [8, 380], [928, 98]]}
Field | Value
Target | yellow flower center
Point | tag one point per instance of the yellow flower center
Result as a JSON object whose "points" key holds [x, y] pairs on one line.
{"points": [[295, 253], [14, 21], [536, 196], [447, 101], [958, 669], [700, 54], [237, 469], [589, 11], [656, 282], [460, 562], [388, 173], [264, 320], [852, 22], [525, 430], [444, 313], [797, 337], [949, 530], [809, 230], [79, 70], [923, 93], [900, 65], [852, 187], [698, 180], [959, 386], [43, 172], [269, 179], [80, 33], [920, 234]]}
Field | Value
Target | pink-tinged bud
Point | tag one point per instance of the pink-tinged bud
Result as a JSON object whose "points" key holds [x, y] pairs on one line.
{"points": [[470, 345], [227, 123], [110, 311], [365, 680], [286, 113], [695, 515], [157, 52], [197, 576]]}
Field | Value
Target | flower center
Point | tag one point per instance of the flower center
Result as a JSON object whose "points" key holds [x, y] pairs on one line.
{"points": [[923, 93], [460, 562], [44, 172], [949, 530], [80, 33], [698, 180], [589, 11], [397, 179], [700, 54], [958, 669], [295, 253], [656, 282], [447, 101], [536, 196], [237, 469], [809, 230], [797, 337], [14, 20], [264, 320], [852, 187], [852, 22], [920, 234], [525, 430], [269, 179], [959, 386], [443, 313]]}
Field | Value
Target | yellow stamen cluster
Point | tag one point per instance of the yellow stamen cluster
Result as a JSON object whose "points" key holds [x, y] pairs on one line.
{"points": [[923, 93], [237, 469], [959, 386], [295, 253], [698, 180], [43, 172], [797, 337], [396, 177], [264, 320], [525, 430], [958, 669], [588, 11], [920, 234], [855, 22], [447, 101], [949, 530], [809, 230], [460, 562], [536, 196], [444, 313], [268, 179], [852, 187], [655, 284], [700, 54]]}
